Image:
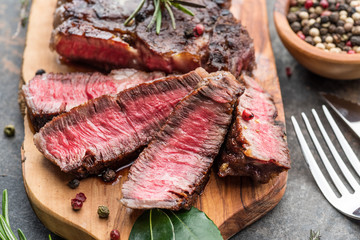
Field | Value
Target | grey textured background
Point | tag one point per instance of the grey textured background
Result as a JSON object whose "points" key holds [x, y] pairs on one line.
{"points": [[302, 208]]}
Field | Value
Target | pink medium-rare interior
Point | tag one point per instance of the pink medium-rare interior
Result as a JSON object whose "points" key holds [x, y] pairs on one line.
{"points": [[260, 134], [111, 129], [177, 164]]}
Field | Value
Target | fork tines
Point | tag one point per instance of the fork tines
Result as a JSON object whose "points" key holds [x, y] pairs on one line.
{"points": [[337, 202]]}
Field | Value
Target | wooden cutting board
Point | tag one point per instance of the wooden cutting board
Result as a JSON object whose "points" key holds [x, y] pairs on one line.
{"points": [[232, 203]]}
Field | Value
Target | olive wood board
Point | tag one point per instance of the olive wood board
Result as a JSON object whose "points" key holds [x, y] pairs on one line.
{"points": [[232, 203]]}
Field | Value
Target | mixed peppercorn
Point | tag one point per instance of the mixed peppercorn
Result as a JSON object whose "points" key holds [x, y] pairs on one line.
{"points": [[330, 25]]}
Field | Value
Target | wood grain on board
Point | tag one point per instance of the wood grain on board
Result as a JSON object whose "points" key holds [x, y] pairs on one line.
{"points": [[232, 203]]}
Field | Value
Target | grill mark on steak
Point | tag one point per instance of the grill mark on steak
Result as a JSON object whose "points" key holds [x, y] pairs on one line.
{"points": [[256, 148], [97, 26], [174, 169], [109, 130], [49, 95]]}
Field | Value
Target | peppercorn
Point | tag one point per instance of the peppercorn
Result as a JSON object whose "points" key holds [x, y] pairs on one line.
{"points": [[306, 30], [103, 212], [81, 197], [334, 17], [337, 38], [348, 27], [198, 30], [308, 4], [324, 4], [109, 175], [9, 130], [314, 32], [340, 30], [324, 19], [309, 40], [188, 33], [332, 28], [351, 52], [140, 17], [316, 25], [340, 23], [355, 40], [313, 16], [323, 31], [301, 35], [304, 15], [114, 235], [40, 72], [355, 31], [74, 183], [76, 204], [292, 17], [295, 26], [247, 115]]}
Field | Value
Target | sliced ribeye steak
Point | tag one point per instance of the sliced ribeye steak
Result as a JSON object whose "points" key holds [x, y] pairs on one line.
{"points": [[109, 130], [173, 170], [49, 95], [255, 146], [94, 32]]}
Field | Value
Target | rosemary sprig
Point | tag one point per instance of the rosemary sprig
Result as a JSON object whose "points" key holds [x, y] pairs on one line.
{"points": [[164, 4], [314, 235], [5, 231]]}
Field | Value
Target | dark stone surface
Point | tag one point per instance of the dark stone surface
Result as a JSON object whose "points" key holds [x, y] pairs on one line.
{"points": [[302, 208]]}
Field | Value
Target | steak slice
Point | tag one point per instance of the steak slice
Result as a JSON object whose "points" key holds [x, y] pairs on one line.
{"points": [[51, 94], [257, 147], [93, 32], [107, 131], [173, 170]]}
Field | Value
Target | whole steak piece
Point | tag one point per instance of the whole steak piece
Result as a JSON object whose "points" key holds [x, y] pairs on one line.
{"points": [[49, 95], [255, 147], [109, 130], [173, 170], [93, 32]]}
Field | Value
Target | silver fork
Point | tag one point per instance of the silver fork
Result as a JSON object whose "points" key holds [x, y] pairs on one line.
{"points": [[348, 203]]}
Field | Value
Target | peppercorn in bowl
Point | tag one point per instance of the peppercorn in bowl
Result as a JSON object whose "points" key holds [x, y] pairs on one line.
{"points": [[322, 35]]}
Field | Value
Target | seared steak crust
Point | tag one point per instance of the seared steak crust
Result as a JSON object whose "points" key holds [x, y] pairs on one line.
{"points": [[256, 148], [106, 131], [174, 169], [49, 95], [94, 32]]}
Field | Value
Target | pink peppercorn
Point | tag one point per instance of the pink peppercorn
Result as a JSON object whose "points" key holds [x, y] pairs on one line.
{"points": [[114, 235], [301, 35], [288, 71], [81, 197], [308, 4], [247, 115], [326, 13], [324, 4], [351, 52], [198, 30], [348, 43], [76, 204]]}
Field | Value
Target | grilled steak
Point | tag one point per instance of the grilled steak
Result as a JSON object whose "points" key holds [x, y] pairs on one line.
{"points": [[255, 147], [51, 94], [173, 170], [93, 32], [106, 131]]}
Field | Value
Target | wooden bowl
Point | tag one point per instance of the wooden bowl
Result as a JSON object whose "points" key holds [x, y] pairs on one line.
{"points": [[331, 65]]}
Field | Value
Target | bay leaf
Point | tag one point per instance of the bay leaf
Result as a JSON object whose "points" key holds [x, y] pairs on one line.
{"points": [[153, 224], [193, 225]]}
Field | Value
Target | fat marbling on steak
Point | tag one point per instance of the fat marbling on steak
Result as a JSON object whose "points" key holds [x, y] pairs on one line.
{"points": [[109, 130], [49, 95], [255, 147], [173, 170], [93, 32]]}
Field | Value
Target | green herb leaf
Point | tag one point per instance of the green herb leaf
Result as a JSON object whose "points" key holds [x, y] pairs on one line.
{"points": [[314, 235], [153, 224], [6, 228], [5, 209], [194, 224], [50, 237], [21, 235], [161, 224]]}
